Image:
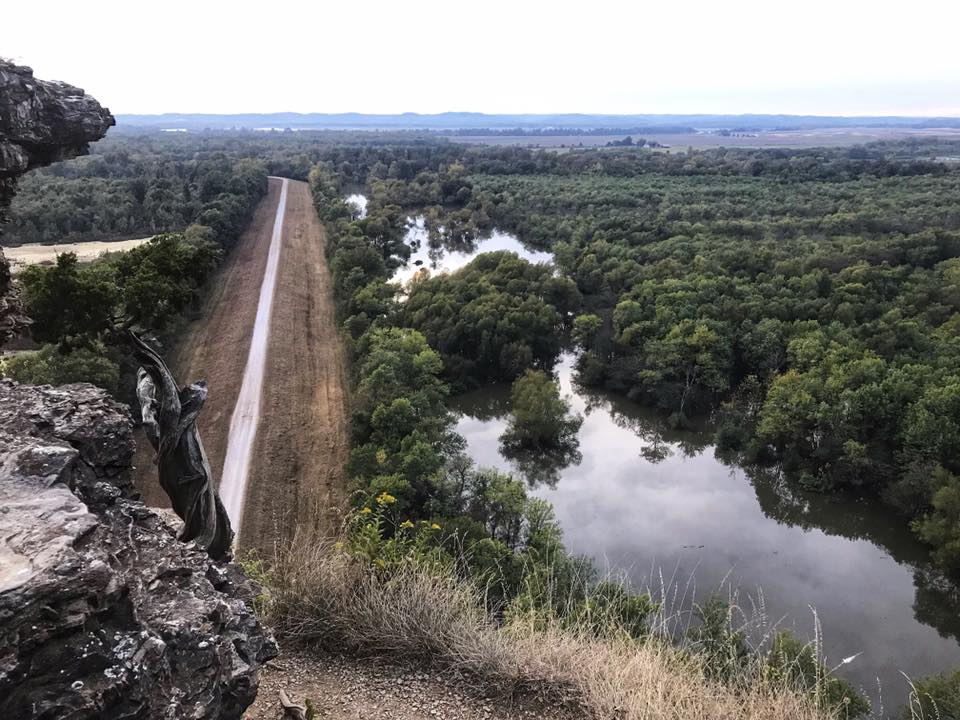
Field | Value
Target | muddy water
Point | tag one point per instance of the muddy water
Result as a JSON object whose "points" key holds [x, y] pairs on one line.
{"points": [[655, 504]]}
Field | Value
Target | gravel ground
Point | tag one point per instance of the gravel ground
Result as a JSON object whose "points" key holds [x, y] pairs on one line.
{"points": [[342, 688]]}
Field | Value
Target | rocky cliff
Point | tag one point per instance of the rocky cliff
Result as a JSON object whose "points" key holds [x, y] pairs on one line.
{"points": [[40, 122], [103, 612]]}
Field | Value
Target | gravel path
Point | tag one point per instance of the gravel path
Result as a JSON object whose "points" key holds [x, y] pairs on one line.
{"points": [[345, 688], [215, 345], [246, 413], [297, 475], [298, 451]]}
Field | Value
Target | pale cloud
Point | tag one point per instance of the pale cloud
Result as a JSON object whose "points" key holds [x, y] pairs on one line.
{"points": [[816, 57]]}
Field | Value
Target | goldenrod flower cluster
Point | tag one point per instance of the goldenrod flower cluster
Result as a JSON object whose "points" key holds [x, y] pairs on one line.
{"points": [[385, 498]]}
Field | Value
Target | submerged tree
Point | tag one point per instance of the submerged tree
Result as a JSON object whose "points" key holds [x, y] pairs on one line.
{"points": [[539, 419], [541, 437]]}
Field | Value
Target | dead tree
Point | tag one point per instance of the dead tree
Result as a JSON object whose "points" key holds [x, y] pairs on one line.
{"points": [[170, 422]]}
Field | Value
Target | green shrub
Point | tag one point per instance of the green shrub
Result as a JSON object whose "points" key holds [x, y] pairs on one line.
{"points": [[935, 698], [52, 366], [796, 663], [539, 417]]}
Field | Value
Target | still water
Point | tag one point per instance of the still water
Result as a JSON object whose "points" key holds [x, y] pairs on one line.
{"points": [[359, 204], [652, 503], [659, 507], [437, 257]]}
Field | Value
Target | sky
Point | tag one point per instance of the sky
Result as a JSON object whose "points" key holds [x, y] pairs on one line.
{"points": [[820, 57]]}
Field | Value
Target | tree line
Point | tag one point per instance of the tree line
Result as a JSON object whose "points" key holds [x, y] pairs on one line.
{"points": [[81, 311]]}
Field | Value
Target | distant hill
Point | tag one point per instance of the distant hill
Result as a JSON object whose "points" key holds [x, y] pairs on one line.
{"points": [[463, 122]]}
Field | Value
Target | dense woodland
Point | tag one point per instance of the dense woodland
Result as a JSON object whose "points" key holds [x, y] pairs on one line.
{"points": [[136, 186], [808, 301], [82, 312], [417, 492]]}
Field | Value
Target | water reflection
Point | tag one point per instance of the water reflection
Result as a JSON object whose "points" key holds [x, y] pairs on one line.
{"points": [[359, 204], [434, 251], [645, 496], [639, 496], [542, 467], [436, 248], [659, 439]]}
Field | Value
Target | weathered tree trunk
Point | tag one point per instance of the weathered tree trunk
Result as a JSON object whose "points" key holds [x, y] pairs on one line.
{"points": [[292, 710], [170, 421]]}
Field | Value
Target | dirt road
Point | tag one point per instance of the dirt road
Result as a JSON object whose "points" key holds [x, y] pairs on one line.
{"points": [[345, 688], [300, 445], [246, 413], [300, 452]]}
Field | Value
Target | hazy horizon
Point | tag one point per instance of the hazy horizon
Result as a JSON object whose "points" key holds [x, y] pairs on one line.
{"points": [[544, 114], [848, 59]]}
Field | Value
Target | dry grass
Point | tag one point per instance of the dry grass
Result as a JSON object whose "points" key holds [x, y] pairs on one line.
{"points": [[321, 595]]}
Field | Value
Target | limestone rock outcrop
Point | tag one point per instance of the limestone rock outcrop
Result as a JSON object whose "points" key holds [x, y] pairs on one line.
{"points": [[41, 122], [12, 320], [103, 613]]}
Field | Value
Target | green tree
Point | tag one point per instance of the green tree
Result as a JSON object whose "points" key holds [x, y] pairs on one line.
{"points": [[494, 318], [161, 278], [51, 365], [941, 526], [539, 417], [694, 356], [69, 303], [585, 330]]}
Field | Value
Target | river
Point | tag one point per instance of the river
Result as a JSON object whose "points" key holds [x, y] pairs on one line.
{"points": [[660, 508]]}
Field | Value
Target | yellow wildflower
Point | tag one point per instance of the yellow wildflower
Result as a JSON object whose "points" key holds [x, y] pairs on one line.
{"points": [[366, 511], [434, 526], [406, 524], [385, 498]]}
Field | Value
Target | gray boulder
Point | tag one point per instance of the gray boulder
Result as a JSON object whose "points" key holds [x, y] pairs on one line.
{"points": [[103, 613]]}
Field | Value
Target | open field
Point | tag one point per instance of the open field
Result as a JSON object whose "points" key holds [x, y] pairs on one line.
{"points": [[37, 254], [682, 141]]}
